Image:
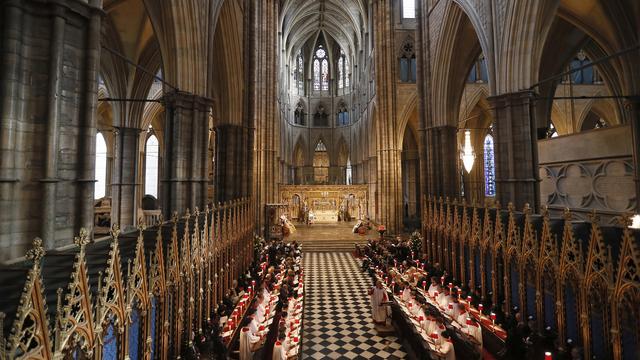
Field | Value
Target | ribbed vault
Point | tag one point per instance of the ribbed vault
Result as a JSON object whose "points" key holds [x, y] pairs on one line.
{"points": [[300, 20]]}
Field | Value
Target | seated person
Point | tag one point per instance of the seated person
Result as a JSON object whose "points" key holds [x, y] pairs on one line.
{"points": [[446, 349], [433, 288], [462, 315]]}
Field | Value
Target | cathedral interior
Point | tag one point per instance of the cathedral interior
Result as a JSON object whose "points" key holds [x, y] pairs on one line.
{"points": [[167, 165]]}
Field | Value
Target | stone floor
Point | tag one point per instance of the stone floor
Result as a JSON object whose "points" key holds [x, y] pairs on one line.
{"points": [[328, 237], [337, 317]]}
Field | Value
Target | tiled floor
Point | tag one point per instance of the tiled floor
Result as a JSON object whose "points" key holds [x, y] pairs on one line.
{"points": [[337, 314]]}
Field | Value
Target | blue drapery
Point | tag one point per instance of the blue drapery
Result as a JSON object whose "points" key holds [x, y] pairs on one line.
{"points": [[488, 267], [597, 334], [154, 314], [134, 334], [629, 337], [110, 348], [549, 303], [515, 281], [571, 313]]}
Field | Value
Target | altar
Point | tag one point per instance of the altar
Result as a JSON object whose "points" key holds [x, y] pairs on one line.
{"points": [[325, 203]]}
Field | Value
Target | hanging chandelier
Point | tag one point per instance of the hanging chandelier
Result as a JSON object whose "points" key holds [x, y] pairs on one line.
{"points": [[467, 154]]}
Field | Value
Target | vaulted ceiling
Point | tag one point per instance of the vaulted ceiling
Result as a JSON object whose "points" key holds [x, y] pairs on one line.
{"points": [[301, 20]]}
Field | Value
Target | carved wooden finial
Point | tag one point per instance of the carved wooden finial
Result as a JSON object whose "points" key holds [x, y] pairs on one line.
{"points": [[115, 231], [160, 219], [187, 213], [510, 207], [174, 217], [82, 239], [566, 214], [527, 209], [196, 212], [36, 253], [593, 217], [544, 210], [142, 226], [59, 304], [625, 220]]}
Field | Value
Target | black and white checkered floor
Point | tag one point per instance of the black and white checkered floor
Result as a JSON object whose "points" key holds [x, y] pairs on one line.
{"points": [[337, 313]]}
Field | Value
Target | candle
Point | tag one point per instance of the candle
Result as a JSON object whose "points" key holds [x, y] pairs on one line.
{"points": [[450, 286], [424, 285], [481, 307], [468, 299], [442, 280], [253, 283], [493, 316], [547, 356]]}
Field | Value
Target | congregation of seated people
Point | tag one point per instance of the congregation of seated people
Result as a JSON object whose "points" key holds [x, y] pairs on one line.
{"points": [[414, 271], [209, 343]]}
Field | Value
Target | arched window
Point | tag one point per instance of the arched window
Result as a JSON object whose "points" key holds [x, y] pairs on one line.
{"points": [[100, 189], [409, 9], [489, 167], [320, 70], [299, 115], [343, 115], [152, 154], [299, 73], [408, 62], [343, 71], [479, 73], [321, 164]]}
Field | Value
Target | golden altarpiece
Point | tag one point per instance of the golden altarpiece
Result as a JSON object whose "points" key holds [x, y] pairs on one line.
{"points": [[328, 203]]}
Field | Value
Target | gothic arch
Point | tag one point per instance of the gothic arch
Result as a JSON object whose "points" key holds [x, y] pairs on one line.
{"points": [[408, 117], [458, 48]]}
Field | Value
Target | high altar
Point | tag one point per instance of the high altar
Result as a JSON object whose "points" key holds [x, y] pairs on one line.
{"points": [[328, 203]]}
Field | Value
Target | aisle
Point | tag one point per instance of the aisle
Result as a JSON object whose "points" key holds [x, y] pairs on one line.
{"points": [[337, 320]]}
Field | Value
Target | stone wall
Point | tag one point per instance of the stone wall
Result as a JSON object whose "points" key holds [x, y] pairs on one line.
{"points": [[592, 170], [49, 56]]}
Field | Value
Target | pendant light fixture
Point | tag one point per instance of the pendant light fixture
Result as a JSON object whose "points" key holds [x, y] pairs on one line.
{"points": [[467, 154]]}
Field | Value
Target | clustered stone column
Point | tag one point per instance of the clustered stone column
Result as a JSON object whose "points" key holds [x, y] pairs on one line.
{"points": [[124, 186], [516, 149], [389, 153], [49, 60], [184, 182], [232, 162], [261, 50]]}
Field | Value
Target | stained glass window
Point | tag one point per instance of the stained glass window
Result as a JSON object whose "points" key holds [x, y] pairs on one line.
{"points": [[300, 73], [346, 72], [316, 74], [489, 167], [134, 334], [101, 167], [152, 154], [341, 72], [110, 347], [325, 75], [320, 70]]}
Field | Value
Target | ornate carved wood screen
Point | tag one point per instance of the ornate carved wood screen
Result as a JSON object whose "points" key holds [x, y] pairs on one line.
{"points": [[139, 295], [579, 278]]}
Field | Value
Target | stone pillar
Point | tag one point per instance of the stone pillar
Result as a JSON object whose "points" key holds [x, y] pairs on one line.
{"points": [[231, 165], [124, 181], [47, 120], [184, 179], [632, 105], [262, 43], [444, 176], [389, 170], [516, 149]]}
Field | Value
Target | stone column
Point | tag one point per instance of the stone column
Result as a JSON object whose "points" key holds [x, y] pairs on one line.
{"points": [[124, 184], [632, 105], [262, 54], [184, 179], [231, 148], [47, 114], [389, 174], [516, 149], [444, 176]]}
